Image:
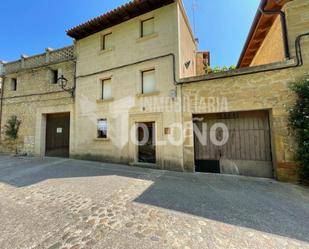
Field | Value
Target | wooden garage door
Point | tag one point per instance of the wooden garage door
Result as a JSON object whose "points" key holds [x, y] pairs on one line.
{"points": [[57, 135], [248, 149]]}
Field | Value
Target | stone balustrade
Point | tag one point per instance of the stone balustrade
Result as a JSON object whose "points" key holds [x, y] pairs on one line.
{"points": [[49, 57]]}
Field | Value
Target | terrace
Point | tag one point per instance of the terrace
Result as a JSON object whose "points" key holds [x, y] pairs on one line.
{"points": [[47, 58]]}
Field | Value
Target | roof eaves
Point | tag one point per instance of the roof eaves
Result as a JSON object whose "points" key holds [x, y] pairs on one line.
{"points": [[122, 13], [251, 32]]}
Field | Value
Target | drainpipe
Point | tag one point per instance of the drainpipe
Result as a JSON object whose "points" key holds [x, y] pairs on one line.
{"points": [[283, 24], [1, 101], [74, 80]]}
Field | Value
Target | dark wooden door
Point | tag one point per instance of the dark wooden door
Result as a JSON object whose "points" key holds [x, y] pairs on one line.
{"points": [[58, 135], [147, 143]]}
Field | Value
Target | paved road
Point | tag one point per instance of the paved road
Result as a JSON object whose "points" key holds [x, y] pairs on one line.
{"points": [[62, 203]]}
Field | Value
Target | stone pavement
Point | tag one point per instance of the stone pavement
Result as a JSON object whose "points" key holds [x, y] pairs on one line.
{"points": [[63, 203]]}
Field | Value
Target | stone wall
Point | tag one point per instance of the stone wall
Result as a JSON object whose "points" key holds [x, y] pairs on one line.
{"points": [[256, 91], [35, 93], [243, 90]]}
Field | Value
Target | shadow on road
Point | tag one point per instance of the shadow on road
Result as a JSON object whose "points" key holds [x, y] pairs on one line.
{"points": [[263, 205]]}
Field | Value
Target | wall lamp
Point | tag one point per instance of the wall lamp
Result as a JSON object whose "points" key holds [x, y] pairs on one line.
{"points": [[63, 82]]}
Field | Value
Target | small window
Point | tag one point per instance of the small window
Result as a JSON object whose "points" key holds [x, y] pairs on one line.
{"points": [[13, 84], [107, 42], [106, 89], [102, 128], [148, 81], [147, 27], [54, 76]]}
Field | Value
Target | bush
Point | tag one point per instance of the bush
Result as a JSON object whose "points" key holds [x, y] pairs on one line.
{"points": [[299, 121], [210, 70], [12, 127]]}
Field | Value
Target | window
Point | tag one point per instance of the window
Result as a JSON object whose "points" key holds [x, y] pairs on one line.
{"points": [[13, 84], [148, 81], [54, 76], [106, 89], [107, 42], [147, 27], [102, 128]]}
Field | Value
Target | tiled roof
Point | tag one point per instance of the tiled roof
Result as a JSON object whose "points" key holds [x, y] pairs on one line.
{"points": [[121, 14]]}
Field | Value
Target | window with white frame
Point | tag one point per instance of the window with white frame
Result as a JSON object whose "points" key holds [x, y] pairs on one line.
{"points": [[106, 89], [102, 128], [147, 27], [107, 41], [148, 81]]}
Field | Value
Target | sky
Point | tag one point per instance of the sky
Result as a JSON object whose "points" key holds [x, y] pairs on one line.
{"points": [[28, 27]]}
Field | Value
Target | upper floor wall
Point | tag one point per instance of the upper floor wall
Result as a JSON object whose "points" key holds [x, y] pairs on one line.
{"points": [[38, 74], [187, 44], [272, 49], [39, 81], [126, 42], [265, 42]]}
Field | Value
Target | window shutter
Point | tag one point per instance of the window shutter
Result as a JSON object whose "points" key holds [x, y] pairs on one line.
{"points": [[148, 27], [149, 83], [107, 89], [108, 41]]}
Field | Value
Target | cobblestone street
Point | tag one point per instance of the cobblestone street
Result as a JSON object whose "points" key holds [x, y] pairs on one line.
{"points": [[63, 203]]}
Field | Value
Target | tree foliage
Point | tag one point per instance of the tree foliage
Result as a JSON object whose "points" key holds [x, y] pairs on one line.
{"points": [[299, 121], [11, 128], [217, 69]]}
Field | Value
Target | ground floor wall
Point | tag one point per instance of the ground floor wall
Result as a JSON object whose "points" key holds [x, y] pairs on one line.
{"points": [[173, 118], [171, 108], [32, 111], [267, 91], [121, 145], [128, 107]]}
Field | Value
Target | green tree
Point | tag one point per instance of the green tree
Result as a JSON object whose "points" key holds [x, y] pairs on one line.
{"points": [[299, 121]]}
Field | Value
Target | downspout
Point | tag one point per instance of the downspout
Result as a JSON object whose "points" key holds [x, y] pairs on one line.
{"points": [[298, 49], [283, 25], [75, 70], [299, 62], [1, 104], [73, 93]]}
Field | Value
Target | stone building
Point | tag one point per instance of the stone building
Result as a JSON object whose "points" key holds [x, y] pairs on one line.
{"points": [[30, 91], [137, 70]]}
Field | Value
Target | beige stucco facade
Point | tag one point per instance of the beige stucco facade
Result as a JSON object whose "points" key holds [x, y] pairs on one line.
{"points": [[171, 106], [272, 49], [128, 105]]}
